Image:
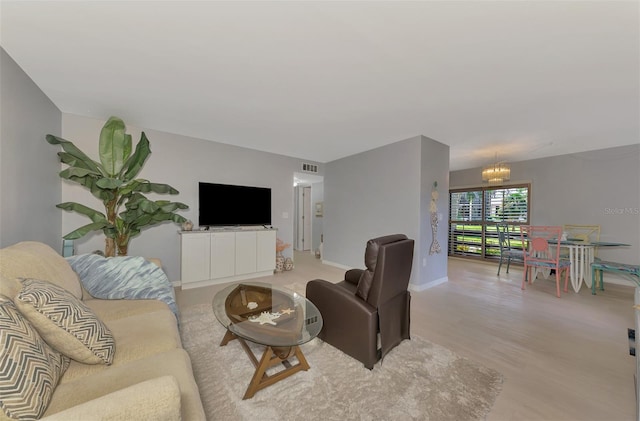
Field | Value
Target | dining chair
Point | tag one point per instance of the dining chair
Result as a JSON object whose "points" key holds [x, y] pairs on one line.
{"points": [[541, 249], [589, 233], [586, 233], [507, 252]]}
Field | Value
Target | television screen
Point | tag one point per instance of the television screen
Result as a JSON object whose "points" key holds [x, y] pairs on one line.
{"points": [[229, 205]]}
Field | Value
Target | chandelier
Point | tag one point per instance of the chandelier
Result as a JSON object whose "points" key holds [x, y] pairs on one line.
{"points": [[497, 172]]}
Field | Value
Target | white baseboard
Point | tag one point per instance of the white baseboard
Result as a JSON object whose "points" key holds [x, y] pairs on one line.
{"points": [[418, 288]]}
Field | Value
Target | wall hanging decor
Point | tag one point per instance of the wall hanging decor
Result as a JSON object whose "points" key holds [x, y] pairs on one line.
{"points": [[433, 209]]}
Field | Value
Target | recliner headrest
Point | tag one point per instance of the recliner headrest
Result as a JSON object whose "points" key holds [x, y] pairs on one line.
{"points": [[373, 246], [370, 260]]}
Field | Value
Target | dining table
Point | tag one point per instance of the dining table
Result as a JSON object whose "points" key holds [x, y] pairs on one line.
{"points": [[581, 255]]}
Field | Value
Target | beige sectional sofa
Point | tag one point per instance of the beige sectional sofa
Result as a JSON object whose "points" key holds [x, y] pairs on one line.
{"points": [[150, 375]]}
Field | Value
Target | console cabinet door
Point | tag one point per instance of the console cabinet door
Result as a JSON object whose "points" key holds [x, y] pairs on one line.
{"points": [[245, 252], [194, 261], [223, 254], [266, 250]]}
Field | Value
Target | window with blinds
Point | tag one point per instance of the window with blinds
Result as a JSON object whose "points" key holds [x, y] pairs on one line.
{"points": [[474, 212]]}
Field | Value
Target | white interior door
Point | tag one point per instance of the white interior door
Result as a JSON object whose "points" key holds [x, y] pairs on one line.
{"points": [[306, 235], [303, 241], [300, 218]]}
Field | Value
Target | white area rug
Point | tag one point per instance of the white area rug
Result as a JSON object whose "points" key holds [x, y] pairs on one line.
{"points": [[417, 380]]}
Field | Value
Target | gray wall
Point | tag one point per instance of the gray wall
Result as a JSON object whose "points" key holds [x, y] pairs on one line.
{"points": [[381, 192], [182, 162], [434, 167], [29, 186], [378, 192], [598, 187]]}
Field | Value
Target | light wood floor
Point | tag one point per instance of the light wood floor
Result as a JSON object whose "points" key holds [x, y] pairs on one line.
{"points": [[562, 359]]}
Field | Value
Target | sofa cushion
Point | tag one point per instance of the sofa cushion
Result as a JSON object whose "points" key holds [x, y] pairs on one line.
{"points": [[9, 287], [65, 322], [156, 399], [175, 363], [137, 337], [29, 367], [30, 259], [109, 310]]}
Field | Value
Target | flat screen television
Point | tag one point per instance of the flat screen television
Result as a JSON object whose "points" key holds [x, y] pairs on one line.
{"points": [[230, 205]]}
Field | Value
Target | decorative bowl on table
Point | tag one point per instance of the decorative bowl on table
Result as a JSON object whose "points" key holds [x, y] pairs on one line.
{"points": [[256, 309]]}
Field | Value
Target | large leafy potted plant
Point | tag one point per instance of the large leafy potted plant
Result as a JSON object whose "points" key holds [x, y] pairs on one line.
{"points": [[113, 181]]}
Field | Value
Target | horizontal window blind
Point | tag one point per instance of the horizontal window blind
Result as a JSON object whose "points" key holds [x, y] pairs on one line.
{"points": [[506, 205], [474, 213]]}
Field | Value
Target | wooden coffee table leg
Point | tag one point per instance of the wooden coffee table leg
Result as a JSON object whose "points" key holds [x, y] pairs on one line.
{"points": [[302, 361], [227, 338], [270, 357], [261, 379]]}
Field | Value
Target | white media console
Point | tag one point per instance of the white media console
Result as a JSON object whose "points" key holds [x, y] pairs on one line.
{"points": [[225, 255]]}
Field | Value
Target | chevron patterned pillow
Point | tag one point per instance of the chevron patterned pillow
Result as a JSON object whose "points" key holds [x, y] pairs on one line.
{"points": [[65, 322], [29, 367]]}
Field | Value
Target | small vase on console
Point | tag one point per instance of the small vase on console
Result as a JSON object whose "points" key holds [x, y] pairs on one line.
{"points": [[279, 261], [280, 247], [288, 263]]}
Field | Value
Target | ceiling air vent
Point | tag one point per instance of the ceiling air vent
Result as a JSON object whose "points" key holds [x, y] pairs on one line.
{"points": [[309, 167]]}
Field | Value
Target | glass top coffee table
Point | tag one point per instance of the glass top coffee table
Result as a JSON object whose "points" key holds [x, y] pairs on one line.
{"points": [[272, 316]]}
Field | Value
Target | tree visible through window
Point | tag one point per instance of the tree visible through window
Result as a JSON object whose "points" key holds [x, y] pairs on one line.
{"points": [[475, 212]]}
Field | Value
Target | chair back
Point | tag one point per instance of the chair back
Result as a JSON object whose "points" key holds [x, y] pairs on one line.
{"points": [[503, 236], [586, 233], [389, 261], [541, 244]]}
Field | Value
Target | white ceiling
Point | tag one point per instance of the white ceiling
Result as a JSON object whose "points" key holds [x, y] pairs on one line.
{"points": [[324, 80]]}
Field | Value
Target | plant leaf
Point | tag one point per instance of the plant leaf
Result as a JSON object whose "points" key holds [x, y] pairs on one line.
{"points": [[73, 150], [92, 214], [73, 161], [172, 206], [108, 183], [114, 146], [144, 186], [90, 183], [136, 161], [84, 230], [134, 200], [160, 217], [75, 172], [131, 187]]}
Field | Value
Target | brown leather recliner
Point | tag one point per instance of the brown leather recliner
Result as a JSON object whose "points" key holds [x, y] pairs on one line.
{"points": [[368, 302]]}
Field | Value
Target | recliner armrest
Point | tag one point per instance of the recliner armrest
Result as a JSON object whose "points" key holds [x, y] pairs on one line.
{"points": [[348, 322], [339, 300], [353, 276]]}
